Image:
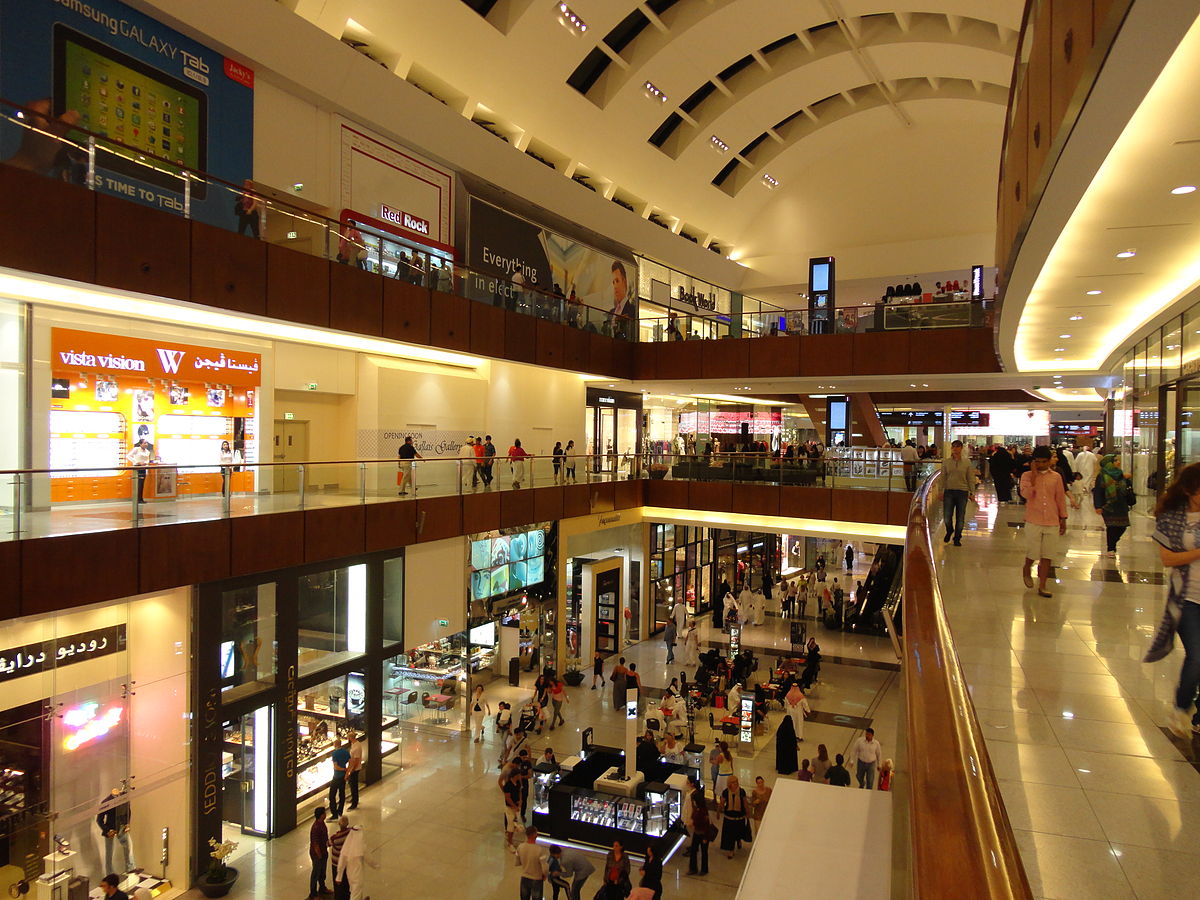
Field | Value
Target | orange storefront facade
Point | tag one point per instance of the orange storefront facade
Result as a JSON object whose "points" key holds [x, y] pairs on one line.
{"points": [[188, 402]]}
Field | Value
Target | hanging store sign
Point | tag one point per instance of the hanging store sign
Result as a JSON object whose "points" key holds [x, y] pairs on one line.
{"points": [[88, 351], [404, 220], [62, 651]]}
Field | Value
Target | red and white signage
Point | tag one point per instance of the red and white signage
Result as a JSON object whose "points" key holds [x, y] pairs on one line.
{"points": [[404, 220], [730, 422]]}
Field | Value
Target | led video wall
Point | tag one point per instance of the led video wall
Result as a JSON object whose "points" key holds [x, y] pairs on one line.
{"points": [[501, 563]]}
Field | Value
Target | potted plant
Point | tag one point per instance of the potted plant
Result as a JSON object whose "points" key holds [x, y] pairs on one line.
{"points": [[573, 676], [219, 878]]}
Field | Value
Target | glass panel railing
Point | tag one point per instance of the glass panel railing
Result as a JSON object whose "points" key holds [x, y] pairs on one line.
{"points": [[44, 503]]}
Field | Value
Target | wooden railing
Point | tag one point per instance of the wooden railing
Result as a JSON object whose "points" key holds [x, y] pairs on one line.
{"points": [[960, 841]]}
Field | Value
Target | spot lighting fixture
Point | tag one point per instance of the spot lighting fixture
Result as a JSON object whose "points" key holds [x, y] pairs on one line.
{"points": [[719, 145], [1093, 293], [653, 93], [770, 182], [1127, 254], [569, 20], [1075, 318], [1060, 349], [1184, 189], [1064, 336]]}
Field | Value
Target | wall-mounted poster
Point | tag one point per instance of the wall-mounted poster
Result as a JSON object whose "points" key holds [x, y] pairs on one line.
{"points": [[509, 256], [143, 90]]}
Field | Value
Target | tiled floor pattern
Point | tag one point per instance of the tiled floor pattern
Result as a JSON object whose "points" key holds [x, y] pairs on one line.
{"points": [[1104, 804], [435, 827]]}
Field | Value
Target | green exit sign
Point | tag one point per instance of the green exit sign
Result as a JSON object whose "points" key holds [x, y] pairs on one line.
{"points": [[289, 415], [444, 623], [312, 385]]}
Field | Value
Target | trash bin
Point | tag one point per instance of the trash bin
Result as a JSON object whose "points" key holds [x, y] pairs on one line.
{"points": [[514, 671]]}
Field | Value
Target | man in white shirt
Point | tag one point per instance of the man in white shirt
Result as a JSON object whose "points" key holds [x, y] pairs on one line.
{"points": [[1085, 464], [679, 614], [352, 770], [868, 754], [466, 463], [534, 862], [139, 457]]}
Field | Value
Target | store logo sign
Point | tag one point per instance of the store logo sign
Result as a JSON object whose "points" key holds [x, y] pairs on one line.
{"points": [[170, 360], [404, 220], [86, 724]]}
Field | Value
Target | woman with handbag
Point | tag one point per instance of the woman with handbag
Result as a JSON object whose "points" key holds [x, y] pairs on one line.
{"points": [[699, 826], [616, 874], [1112, 496], [735, 825]]}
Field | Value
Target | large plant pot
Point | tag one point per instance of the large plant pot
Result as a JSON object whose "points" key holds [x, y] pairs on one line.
{"points": [[574, 678], [218, 888]]}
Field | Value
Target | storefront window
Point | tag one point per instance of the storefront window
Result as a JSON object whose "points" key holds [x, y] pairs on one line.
{"points": [[679, 570], [332, 617], [326, 713], [12, 394], [429, 682], [393, 600], [249, 645]]}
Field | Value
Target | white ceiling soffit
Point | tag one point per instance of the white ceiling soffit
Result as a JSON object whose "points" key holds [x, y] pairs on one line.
{"points": [[1071, 301], [768, 78]]}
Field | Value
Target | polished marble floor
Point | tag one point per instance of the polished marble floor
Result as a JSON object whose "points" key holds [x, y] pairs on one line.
{"points": [[435, 826], [1105, 802]]}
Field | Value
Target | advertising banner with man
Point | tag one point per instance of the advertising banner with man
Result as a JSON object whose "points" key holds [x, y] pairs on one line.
{"points": [[157, 101], [512, 259]]}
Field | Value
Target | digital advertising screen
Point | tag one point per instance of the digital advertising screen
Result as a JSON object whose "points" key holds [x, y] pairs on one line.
{"points": [[518, 546], [500, 550], [537, 542], [535, 570], [499, 580], [481, 584], [481, 554]]}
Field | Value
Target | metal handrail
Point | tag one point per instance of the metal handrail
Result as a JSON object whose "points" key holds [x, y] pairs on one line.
{"points": [[960, 838]]}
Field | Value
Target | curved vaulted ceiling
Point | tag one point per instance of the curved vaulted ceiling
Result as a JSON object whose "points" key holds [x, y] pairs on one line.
{"points": [[747, 89]]}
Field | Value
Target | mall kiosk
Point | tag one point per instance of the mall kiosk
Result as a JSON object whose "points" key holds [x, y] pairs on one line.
{"points": [[588, 805]]}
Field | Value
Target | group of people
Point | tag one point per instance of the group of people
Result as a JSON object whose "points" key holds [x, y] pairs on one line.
{"points": [[477, 461], [342, 854]]}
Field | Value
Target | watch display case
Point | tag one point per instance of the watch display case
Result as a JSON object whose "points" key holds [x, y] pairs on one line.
{"points": [[663, 808], [544, 778], [608, 811]]}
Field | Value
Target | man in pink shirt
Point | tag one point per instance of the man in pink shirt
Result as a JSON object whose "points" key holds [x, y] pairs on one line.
{"points": [[1045, 516]]}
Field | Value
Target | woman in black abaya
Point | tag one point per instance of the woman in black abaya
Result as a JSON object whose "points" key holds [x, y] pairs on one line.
{"points": [[785, 747]]}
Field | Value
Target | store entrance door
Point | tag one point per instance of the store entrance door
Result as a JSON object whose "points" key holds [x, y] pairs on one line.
{"points": [[247, 772], [291, 446]]}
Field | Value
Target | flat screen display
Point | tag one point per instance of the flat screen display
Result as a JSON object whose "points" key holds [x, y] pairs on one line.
{"points": [[227, 657], [537, 542], [504, 563], [518, 547], [481, 584], [483, 635], [820, 278], [122, 98], [500, 550], [481, 554], [499, 580]]}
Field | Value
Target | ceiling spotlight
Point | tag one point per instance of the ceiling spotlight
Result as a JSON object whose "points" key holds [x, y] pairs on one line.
{"points": [[719, 145], [567, 17], [1183, 189], [770, 182], [1127, 254], [1172, 346], [1060, 349], [653, 93], [1076, 318], [1064, 336], [1094, 293]]}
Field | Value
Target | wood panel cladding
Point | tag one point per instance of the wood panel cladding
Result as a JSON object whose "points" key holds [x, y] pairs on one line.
{"points": [[187, 553], [265, 543], [333, 532], [488, 326], [66, 211], [297, 287], [450, 322], [229, 270], [142, 249], [405, 312], [355, 300]]}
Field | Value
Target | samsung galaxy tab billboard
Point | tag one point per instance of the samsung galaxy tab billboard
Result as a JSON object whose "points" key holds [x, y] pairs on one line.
{"points": [[156, 102]]}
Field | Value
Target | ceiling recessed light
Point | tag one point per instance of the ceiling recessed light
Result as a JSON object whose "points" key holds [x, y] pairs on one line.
{"points": [[718, 144], [924, 385], [1076, 318], [1127, 254], [1064, 336], [770, 182], [653, 93], [1093, 293], [1183, 189]]}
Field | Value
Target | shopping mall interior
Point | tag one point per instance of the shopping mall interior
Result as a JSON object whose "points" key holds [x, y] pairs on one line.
{"points": [[599, 447]]}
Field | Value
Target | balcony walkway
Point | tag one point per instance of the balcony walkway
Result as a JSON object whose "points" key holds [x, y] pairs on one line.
{"points": [[1104, 801]]}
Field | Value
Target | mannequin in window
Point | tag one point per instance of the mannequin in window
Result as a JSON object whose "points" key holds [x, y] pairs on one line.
{"points": [[113, 822]]}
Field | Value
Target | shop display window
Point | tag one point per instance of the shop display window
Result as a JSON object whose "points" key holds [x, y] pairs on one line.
{"points": [[679, 565], [426, 685], [325, 713], [249, 645], [332, 617], [393, 600], [12, 374]]}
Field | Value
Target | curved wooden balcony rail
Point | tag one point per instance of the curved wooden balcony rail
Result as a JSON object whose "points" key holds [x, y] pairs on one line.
{"points": [[961, 843]]}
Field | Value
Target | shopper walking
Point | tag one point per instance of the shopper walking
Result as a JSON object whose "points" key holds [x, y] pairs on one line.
{"points": [[695, 818], [489, 456], [478, 712], [355, 748], [318, 854], [226, 460], [467, 472], [958, 486], [1000, 464], [735, 825], [821, 764], [1045, 517], [619, 677], [758, 800], [669, 640], [652, 872], [478, 450], [350, 865], [616, 873], [837, 774], [849, 557], [337, 784], [795, 704], [1177, 532], [785, 747], [516, 462], [139, 458], [337, 840], [724, 770], [534, 862], [1112, 496], [569, 462], [557, 455], [867, 755], [597, 669], [691, 646], [558, 696], [574, 865], [407, 453], [908, 462], [1087, 465]]}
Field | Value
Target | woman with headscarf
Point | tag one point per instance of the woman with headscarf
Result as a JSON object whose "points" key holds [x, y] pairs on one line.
{"points": [[1177, 532], [795, 704], [1112, 498], [785, 747]]}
